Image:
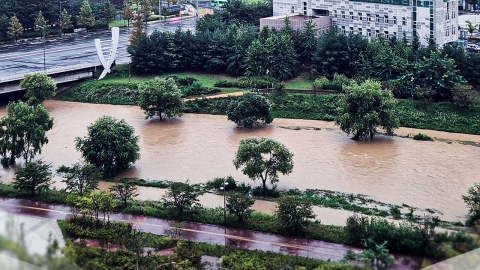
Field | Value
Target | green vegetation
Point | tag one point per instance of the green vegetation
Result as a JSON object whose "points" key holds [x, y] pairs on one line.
{"points": [[250, 110], [422, 137], [39, 87], [160, 97]]}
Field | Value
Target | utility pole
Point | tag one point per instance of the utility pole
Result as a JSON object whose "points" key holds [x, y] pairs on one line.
{"points": [[43, 34]]}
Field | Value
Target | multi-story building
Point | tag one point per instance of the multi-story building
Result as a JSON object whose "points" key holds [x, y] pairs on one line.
{"points": [[437, 19]]}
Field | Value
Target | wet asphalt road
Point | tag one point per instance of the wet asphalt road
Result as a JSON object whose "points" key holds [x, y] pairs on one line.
{"points": [[24, 57]]}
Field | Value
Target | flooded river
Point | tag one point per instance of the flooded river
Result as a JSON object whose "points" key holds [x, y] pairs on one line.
{"points": [[201, 147]]}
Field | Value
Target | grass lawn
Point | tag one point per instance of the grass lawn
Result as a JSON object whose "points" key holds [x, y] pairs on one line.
{"points": [[299, 83], [119, 23]]}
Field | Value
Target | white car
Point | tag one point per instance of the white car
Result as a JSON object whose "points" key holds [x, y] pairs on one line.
{"points": [[473, 47]]}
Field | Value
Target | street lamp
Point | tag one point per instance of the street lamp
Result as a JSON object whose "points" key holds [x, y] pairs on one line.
{"points": [[43, 34], [224, 212]]}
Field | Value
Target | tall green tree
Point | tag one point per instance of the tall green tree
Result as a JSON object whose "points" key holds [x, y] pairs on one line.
{"points": [[111, 145], [472, 200], [138, 30], [160, 97], [39, 86], [40, 22], [249, 110], [471, 27], [35, 177], [80, 178], [365, 107], [16, 29], [128, 13], [294, 213], [275, 57], [4, 23], [66, 22], [308, 41], [124, 190], [263, 159], [108, 11], [438, 73], [86, 18], [239, 205], [182, 196], [25, 130], [338, 53]]}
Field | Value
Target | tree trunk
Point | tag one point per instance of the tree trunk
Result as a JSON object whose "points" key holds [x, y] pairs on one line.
{"points": [[264, 186], [125, 202]]}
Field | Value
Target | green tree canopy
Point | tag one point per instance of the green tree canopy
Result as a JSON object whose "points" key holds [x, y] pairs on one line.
{"points": [[249, 110], [124, 190], [108, 11], [40, 22], [182, 196], [4, 24], [66, 22], [111, 145], [365, 107], [294, 213], [86, 18], [39, 88], [80, 178], [472, 200], [262, 159], [24, 131], [160, 97], [35, 177], [239, 205], [16, 29]]}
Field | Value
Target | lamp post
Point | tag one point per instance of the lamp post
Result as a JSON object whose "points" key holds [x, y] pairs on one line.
{"points": [[43, 34], [224, 213]]}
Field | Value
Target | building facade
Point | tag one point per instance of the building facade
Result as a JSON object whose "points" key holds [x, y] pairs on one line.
{"points": [[437, 19]]}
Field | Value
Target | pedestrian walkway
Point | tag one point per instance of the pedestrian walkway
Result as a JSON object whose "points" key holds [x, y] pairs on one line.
{"points": [[212, 234]]}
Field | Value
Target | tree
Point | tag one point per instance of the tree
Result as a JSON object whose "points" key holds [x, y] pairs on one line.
{"points": [[365, 107], [124, 190], [138, 29], [249, 110], [24, 131], [16, 29], [108, 11], [294, 212], [160, 97], [110, 145], [35, 177], [128, 13], [66, 22], [239, 206], [40, 23], [471, 27], [438, 73], [4, 23], [81, 178], [263, 159], [275, 57], [86, 18], [472, 200], [182, 196], [39, 88]]}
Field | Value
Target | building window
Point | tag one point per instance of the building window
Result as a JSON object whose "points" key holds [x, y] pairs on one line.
{"points": [[377, 18], [351, 15], [293, 9], [394, 20], [305, 8], [377, 33], [369, 33], [360, 31], [369, 18], [385, 34], [395, 34], [385, 19], [404, 21], [335, 13], [351, 30], [360, 16], [343, 14], [343, 29]]}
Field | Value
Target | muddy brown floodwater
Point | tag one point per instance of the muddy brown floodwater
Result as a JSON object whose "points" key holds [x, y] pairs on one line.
{"points": [[200, 147]]}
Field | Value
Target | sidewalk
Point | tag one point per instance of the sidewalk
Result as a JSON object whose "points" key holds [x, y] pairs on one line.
{"points": [[197, 232]]}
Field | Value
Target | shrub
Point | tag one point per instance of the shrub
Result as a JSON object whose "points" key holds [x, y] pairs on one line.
{"points": [[187, 81], [319, 83], [245, 83], [422, 137], [464, 95], [217, 183], [395, 212], [269, 192]]}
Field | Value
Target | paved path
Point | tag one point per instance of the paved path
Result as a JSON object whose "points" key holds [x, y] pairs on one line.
{"points": [[212, 234]]}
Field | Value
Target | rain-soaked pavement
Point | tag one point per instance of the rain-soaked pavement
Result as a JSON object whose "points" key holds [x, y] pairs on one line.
{"points": [[212, 234]]}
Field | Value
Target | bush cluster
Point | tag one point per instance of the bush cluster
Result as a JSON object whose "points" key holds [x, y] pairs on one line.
{"points": [[422, 137], [248, 83]]}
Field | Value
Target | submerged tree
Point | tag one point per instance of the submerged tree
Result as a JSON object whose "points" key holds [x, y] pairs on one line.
{"points": [[39, 88], [366, 107], [262, 159], [250, 109], [35, 177], [160, 97]]}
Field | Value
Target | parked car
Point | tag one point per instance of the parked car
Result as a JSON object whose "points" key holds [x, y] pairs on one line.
{"points": [[473, 47]]}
